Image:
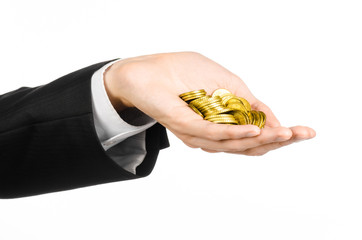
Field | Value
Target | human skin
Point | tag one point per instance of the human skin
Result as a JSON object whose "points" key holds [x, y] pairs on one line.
{"points": [[153, 83]]}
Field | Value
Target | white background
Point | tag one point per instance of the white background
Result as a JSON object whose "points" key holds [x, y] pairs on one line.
{"points": [[302, 58]]}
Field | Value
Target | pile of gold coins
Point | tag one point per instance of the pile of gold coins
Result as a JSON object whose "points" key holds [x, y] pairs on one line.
{"points": [[223, 107]]}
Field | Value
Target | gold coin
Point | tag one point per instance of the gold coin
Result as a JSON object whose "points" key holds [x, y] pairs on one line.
{"points": [[251, 117], [234, 100], [196, 110], [237, 107], [212, 107], [189, 96], [223, 120], [260, 119], [241, 117], [210, 103], [193, 96], [264, 119], [192, 92], [199, 101], [246, 103], [223, 108], [225, 98], [230, 116], [256, 117], [220, 92]]}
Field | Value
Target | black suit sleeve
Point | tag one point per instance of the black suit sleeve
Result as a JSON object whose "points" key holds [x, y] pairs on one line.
{"points": [[48, 140]]}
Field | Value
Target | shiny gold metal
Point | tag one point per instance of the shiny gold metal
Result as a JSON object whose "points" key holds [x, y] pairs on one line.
{"points": [[223, 107]]}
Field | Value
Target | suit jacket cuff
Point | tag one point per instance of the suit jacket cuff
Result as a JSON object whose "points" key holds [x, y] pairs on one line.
{"points": [[110, 127], [49, 143]]}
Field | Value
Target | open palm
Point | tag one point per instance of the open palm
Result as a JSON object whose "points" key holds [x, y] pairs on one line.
{"points": [[153, 84]]}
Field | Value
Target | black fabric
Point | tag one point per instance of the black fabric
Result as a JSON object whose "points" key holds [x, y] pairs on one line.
{"points": [[48, 140]]}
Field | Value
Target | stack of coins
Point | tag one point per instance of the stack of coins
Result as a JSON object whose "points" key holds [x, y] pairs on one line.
{"points": [[223, 107], [189, 96]]}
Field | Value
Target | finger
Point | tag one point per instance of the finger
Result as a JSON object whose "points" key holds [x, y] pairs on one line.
{"points": [[261, 150], [303, 133], [268, 135], [299, 134], [190, 124]]}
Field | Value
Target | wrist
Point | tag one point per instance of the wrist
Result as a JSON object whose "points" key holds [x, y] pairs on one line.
{"points": [[113, 75]]}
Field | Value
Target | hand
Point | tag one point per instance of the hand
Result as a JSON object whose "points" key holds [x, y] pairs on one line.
{"points": [[153, 84]]}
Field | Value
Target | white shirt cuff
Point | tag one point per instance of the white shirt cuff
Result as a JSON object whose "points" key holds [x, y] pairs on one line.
{"points": [[110, 127]]}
